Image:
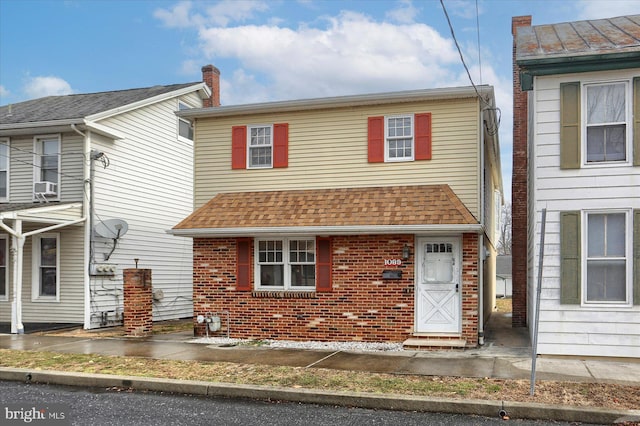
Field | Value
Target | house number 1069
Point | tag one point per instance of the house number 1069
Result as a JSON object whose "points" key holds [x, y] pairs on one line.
{"points": [[392, 262]]}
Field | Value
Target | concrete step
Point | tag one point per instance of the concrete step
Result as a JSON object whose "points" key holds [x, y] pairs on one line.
{"points": [[431, 343]]}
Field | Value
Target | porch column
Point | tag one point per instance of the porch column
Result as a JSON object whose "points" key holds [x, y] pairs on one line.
{"points": [[17, 248]]}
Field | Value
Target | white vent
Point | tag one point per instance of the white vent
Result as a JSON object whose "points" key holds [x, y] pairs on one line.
{"points": [[45, 188]]}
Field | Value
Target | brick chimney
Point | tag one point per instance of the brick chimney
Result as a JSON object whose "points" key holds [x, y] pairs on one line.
{"points": [[519, 194], [211, 76]]}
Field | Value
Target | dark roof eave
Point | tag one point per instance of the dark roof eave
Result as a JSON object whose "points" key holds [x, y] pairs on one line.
{"points": [[574, 64]]}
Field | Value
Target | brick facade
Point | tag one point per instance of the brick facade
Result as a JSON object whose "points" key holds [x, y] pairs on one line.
{"points": [[138, 302], [361, 306], [519, 194]]}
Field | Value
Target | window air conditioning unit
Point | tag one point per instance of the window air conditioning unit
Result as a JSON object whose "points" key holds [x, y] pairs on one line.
{"points": [[45, 188]]}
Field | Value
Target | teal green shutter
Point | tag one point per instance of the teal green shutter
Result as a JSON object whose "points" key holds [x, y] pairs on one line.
{"points": [[636, 121], [636, 257], [570, 282], [570, 125]]}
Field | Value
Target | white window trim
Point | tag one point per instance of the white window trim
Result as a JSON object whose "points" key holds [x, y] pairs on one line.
{"points": [[37, 153], [388, 159], [628, 256], [628, 123], [7, 142], [180, 119], [286, 262], [4, 240], [35, 272], [265, 166]]}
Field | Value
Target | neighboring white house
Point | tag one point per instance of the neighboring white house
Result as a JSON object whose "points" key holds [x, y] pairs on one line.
{"points": [[583, 85], [89, 184], [503, 276]]}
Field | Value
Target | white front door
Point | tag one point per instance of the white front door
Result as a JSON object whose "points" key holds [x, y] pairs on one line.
{"points": [[438, 286]]}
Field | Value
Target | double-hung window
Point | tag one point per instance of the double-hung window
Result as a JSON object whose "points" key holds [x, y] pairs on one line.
{"points": [[607, 257], [260, 146], [285, 264], [606, 117], [185, 127], [4, 169], [47, 159], [3, 267], [46, 249], [399, 138]]}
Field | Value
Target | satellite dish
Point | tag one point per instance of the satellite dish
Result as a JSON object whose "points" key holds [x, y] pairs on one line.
{"points": [[111, 228]]}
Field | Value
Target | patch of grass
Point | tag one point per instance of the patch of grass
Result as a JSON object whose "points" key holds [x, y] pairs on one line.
{"points": [[583, 394]]}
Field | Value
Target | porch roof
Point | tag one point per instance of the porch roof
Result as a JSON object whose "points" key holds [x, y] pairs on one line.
{"points": [[53, 213], [338, 210]]}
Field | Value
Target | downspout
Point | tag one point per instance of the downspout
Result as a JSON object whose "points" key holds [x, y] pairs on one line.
{"points": [[87, 213], [481, 251]]}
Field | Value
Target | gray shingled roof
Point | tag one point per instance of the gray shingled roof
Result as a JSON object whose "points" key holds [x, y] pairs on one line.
{"points": [[78, 106], [580, 38]]}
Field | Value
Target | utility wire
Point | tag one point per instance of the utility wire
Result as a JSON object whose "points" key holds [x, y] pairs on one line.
{"points": [[494, 129]]}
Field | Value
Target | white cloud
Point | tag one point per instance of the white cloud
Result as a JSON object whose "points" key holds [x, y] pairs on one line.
{"points": [[353, 54], [405, 14], [226, 11], [179, 16], [4, 91], [596, 9], [37, 87], [183, 15]]}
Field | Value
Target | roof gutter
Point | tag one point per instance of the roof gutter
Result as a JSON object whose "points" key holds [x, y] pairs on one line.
{"points": [[574, 64], [338, 101], [54, 126], [324, 230]]}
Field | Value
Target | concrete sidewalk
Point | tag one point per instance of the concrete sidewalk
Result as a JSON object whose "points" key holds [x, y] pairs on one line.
{"points": [[505, 356]]}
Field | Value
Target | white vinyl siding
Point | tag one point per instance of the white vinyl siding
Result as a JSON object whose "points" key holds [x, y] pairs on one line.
{"points": [[161, 197], [587, 330], [22, 173], [328, 149]]}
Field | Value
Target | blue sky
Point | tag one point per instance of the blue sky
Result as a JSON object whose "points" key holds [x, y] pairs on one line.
{"points": [[273, 49]]}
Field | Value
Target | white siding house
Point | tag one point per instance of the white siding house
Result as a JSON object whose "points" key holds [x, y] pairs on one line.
{"points": [[120, 171], [584, 169]]}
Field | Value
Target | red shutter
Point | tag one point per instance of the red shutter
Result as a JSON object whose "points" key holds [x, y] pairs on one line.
{"points": [[243, 264], [423, 136], [323, 264], [239, 147], [280, 145], [376, 139]]}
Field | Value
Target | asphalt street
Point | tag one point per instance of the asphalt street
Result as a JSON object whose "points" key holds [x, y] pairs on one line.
{"points": [[120, 407]]}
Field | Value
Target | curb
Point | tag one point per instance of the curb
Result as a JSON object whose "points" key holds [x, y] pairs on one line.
{"points": [[486, 408]]}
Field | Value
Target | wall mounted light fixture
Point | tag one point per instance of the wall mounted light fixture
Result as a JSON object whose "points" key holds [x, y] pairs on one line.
{"points": [[406, 252]]}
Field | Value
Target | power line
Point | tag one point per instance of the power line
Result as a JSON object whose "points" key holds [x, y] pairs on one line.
{"points": [[493, 130]]}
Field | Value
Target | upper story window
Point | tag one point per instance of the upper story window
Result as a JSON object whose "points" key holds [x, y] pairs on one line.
{"points": [[606, 118], [260, 146], [185, 127], [46, 267], [47, 159], [285, 264], [399, 138], [4, 169]]}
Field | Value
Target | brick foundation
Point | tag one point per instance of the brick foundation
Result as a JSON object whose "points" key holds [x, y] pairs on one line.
{"points": [[361, 306], [138, 302]]}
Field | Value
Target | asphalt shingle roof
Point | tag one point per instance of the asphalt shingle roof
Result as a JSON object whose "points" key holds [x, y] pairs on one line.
{"points": [[592, 37], [78, 106], [374, 206]]}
